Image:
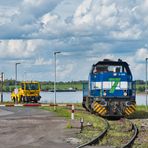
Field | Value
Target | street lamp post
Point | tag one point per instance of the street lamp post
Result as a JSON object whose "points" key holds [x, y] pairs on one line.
{"points": [[146, 83], [2, 79], [16, 74], [55, 53]]}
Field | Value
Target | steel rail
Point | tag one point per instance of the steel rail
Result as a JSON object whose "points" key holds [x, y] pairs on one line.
{"points": [[129, 144], [98, 138]]}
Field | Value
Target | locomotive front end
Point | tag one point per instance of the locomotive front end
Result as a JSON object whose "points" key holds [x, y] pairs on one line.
{"points": [[111, 90]]}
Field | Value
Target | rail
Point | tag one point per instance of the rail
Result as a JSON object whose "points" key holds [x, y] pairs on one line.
{"points": [[129, 144], [99, 137]]}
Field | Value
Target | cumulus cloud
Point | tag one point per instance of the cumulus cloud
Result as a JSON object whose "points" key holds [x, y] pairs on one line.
{"points": [[23, 19], [65, 71], [42, 61], [84, 31], [141, 54], [18, 48], [105, 18], [111, 19]]}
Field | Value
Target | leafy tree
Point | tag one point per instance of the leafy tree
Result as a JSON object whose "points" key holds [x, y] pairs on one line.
{"points": [[141, 89]]}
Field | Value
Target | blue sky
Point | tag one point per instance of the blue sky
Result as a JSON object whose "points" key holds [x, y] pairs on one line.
{"points": [[85, 31]]}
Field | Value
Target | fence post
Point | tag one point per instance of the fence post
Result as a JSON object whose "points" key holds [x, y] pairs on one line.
{"points": [[81, 122], [72, 112]]}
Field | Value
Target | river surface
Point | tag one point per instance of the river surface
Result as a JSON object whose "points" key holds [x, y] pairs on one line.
{"points": [[70, 97]]}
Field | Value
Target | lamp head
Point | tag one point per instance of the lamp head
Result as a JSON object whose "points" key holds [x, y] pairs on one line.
{"points": [[17, 63], [57, 52]]}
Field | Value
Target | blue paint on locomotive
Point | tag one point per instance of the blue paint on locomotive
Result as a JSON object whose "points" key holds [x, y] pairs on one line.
{"points": [[110, 90], [123, 86]]}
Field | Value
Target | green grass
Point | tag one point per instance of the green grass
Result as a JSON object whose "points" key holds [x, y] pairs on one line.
{"points": [[60, 111], [140, 113], [141, 108], [66, 112], [118, 133]]}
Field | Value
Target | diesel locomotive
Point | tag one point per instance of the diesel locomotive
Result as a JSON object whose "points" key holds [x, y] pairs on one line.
{"points": [[110, 90]]}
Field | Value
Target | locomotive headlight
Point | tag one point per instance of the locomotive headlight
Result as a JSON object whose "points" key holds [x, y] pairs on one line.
{"points": [[104, 93], [125, 93]]}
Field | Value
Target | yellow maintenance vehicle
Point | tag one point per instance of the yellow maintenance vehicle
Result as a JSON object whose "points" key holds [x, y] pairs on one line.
{"points": [[28, 92]]}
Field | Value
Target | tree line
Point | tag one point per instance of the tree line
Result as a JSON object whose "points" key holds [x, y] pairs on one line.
{"points": [[9, 85]]}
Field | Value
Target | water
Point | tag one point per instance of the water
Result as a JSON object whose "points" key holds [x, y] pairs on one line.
{"points": [[62, 97], [70, 97]]}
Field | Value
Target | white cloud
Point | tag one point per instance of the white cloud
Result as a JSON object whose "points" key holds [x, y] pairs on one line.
{"points": [[87, 31], [42, 61], [131, 33], [81, 15], [50, 23], [111, 19], [48, 18], [105, 18], [95, 59], [141, 54], [18, 48], [34, 2], [65, 71], [98, 48], [6, 17]]}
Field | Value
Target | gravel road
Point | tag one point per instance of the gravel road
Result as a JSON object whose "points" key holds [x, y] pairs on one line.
{"points": [[22, 127]]}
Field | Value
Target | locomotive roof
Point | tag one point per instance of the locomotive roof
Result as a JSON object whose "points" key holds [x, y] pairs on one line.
{"points": [[114, 63], [110, 62]]}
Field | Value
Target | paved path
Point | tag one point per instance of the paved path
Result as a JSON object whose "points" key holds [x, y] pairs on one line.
{"points": [[22, 127]]}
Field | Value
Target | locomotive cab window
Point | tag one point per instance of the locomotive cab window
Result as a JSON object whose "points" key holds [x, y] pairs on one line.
{"points": [[115, 68], [100, 68], [109, 68]]}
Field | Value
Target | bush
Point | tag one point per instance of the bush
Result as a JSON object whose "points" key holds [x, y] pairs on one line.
{"points": [[141, 89]]}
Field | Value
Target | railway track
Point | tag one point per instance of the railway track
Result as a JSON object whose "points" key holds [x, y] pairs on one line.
{"points": [[130, 142], [133, 134], [99, 137]]}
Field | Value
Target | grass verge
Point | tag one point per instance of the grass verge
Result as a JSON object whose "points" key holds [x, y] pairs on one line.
{"points": [[119, 131]]}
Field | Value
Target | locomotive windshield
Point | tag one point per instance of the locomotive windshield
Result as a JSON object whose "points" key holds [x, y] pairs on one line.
{"points": [[108, 68]]}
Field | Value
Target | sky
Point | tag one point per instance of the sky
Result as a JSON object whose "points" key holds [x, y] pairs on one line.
{"points": [[84, 31]]}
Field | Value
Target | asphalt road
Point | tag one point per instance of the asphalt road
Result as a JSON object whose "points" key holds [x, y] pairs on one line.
{"points": [[22, 127]]}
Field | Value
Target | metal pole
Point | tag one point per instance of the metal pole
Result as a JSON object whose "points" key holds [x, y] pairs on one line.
{"points": [[146, 88], [55, 79], [2, 74], [16, 74], [24, 75]]}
